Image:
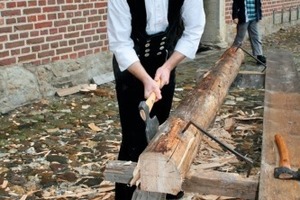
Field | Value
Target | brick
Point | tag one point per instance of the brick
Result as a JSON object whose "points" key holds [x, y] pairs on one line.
{"points": [[46, 54], [62, 23], [71, 35], [94, 18], [32, 18], [51, 9], [63, 50], [88, 32], [36, 48], [96, 44], [3, 38], [73, 56], [72, 42], [21, 19], [29, 11], [53, 31], [2, 5], [80, 47], [11, 21], [63, 43], [45, 47], [54, 45], [14, 36], [54, 38], [25, 50], [15, 52], [4, 54], [69, 7], [7, 61], [10, 45], [11, 4], [35, 40], [43, 25], [45, 61], [41, 17], [71, 28], [23, 27], [51, 2], [78, 20], [52, 16], [1, 21], [24, 35], [61, 15], [94, 12], [45, 32], [32, 3], [86, 6], [81, 54], [26, 57], [34, 33], [21, 4], [9, 13]]}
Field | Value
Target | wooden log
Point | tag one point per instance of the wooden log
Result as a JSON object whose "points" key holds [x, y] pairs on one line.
{"points": [[196, 181], [163, 165], [281, 115]]}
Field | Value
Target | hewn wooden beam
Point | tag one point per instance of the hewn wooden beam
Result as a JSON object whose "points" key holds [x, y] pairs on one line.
{"points": [[163, 165]]}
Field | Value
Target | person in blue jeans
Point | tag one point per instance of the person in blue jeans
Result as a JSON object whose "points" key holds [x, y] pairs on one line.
{"points": [[148, 39], [246, 14]]}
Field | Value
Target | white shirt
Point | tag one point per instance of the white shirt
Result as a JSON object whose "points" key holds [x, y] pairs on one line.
{"points": [[119, 18]]}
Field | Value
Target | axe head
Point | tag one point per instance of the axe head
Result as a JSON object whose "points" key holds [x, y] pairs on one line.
{"points": [[286, 173], [151, 123]]}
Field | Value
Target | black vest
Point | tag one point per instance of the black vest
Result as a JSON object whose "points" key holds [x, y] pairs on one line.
{"points": [[146, 45]]}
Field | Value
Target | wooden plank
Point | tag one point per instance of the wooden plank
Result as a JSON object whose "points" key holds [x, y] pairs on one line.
{"points": [[281, 115], [196, 181]]}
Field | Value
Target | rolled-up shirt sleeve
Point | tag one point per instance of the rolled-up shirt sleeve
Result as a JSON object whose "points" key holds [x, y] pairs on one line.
{"points": [[119, 31], [193, 16]]}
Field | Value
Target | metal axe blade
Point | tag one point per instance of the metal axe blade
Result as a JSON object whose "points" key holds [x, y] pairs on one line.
{"points": [[151, 123]]}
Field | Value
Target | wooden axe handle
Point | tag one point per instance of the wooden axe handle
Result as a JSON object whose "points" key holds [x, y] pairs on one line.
{"points": [[150, 102], [283, 152]]}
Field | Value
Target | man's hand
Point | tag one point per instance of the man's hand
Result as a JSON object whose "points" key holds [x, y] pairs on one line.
{"points": [[150, 85], [236, 20]]}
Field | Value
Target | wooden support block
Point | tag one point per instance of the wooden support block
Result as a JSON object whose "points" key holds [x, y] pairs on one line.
{"points": [[196, 181]]}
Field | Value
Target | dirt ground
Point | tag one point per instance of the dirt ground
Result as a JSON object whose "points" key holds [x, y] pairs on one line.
{"points": [[58, 148]]}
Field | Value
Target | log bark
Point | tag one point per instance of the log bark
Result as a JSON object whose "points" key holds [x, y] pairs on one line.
{"points": [[163, 165]]}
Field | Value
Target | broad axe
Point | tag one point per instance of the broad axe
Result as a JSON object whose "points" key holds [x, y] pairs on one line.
{"points": [[145, 108], [284, 170]]}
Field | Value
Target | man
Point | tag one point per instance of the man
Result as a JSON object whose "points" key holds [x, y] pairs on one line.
{"points": [[246, 14], [148, 42]]}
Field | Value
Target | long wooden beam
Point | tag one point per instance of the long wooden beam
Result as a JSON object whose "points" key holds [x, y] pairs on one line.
{"points": [[163, 165]]}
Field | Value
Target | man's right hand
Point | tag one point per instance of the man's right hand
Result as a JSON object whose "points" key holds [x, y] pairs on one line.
{"points": [[236, 20], [150, 85]]}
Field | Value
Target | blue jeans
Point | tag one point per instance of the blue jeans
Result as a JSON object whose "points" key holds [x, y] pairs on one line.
{"points": [[252, 28]]}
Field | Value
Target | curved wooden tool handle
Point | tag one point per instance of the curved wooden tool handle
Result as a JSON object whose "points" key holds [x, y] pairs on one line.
{"points": [[283, 152], [149, 102]]}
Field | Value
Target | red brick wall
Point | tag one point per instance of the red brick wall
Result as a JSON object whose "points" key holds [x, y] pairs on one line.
{"points": [[268, 7], [43, 31]]}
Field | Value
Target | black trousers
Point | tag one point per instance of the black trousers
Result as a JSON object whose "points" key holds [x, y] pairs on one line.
{"points": [[130, 92]]}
